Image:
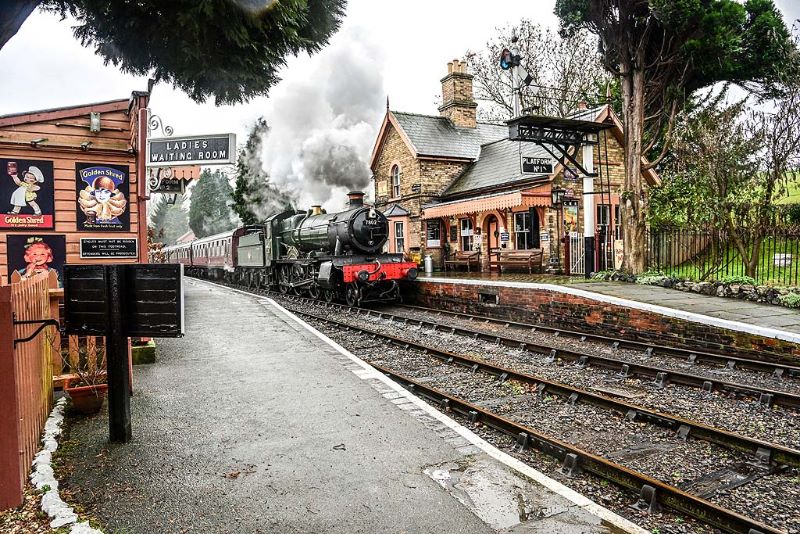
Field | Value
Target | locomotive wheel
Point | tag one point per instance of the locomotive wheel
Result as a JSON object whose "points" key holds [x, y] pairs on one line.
{"points": [[283, 280], [313, 291], [328, 295], [352, 296]]}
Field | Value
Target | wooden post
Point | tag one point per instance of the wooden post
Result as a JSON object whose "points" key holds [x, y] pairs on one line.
{"points": [[119, 397], [11, 476]]}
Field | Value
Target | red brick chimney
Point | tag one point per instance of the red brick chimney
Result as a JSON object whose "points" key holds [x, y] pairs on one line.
{"points": [[458, 102]]}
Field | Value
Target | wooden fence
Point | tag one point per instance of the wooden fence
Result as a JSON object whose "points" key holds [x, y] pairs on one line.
{"points": [[26, 378]]}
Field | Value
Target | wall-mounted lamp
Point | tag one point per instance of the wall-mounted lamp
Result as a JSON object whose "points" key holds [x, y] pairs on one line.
{"points": [[36, 142], [85, 145], [94, 121]]}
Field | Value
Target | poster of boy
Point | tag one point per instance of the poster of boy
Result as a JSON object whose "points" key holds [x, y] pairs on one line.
{"points": [[102, 196], [26, 194], [28, 255]]}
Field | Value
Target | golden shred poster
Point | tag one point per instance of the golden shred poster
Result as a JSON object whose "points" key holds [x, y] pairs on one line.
{"points": [[26, 191], [103, 191]]}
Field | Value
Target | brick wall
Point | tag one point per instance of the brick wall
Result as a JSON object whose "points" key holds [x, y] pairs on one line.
{"points": [[570, 312]]}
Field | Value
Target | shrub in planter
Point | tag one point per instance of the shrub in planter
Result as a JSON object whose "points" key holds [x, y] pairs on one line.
{"points": [[88, 391]]}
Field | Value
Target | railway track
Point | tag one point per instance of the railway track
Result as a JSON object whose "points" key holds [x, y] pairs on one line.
{"points": [[768, 458], [652, 491], [626, 367], [720, 359]]}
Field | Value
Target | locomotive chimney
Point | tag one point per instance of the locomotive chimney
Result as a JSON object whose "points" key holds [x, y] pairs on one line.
{"points": [[316, 209], [356, 199]]}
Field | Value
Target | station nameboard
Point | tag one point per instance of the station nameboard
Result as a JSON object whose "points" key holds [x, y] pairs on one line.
{"points": [[532, 165], [150, 299], [122, 247], [217, 149]]}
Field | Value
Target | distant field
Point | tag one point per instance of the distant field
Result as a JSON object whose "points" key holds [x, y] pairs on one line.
{"points": [[793, 194]]}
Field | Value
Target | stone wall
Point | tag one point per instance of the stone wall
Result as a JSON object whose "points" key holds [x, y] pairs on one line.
{"points": [[572, 312]]}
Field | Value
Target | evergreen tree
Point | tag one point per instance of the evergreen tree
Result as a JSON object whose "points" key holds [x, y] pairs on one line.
{"points": [[255, 198], [210, 211], [228, 49], [662, 51], [158, 214]]}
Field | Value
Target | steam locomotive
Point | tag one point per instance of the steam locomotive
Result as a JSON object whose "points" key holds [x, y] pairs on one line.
{"points": [[331, 256]]}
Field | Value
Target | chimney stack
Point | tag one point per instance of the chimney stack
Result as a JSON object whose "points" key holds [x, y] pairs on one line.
{"points": [[458, 102], [356, 199]]}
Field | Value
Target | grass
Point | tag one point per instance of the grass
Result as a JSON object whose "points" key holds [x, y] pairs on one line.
{"points": [[767, 273], [793, 191]]}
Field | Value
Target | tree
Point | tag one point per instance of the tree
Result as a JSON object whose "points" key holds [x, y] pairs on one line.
{"points": [[255, 198], [210, 211], [663, 51], [565, 71], [168, 222], [228, 49], [739, 161]]}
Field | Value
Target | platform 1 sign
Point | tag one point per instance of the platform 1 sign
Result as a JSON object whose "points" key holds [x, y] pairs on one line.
{"points": [[149, 297], [532, 165], [216, 149], [122, 247]]}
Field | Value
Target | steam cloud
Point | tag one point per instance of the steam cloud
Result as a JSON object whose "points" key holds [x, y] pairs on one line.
{"points": [[323, 126]]}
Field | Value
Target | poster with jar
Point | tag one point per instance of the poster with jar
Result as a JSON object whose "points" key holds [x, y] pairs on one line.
{"points": [[102, 197], [26, 190]]}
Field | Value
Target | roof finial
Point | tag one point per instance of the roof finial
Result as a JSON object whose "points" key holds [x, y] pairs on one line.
{"points": [[387, 103]]}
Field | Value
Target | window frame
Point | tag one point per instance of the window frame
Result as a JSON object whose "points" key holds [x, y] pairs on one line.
{"points": [[399, 237], [525, 234], [463, 239], [394, 180]]}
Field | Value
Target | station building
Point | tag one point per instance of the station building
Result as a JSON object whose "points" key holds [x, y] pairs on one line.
{"points": [[69, 186], [453, 183]]}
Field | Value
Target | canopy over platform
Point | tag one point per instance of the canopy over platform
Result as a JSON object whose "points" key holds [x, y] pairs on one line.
{"points": [[543, 129]]}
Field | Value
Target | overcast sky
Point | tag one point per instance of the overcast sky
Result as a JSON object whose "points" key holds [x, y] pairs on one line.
{"points": [[405, 44]]}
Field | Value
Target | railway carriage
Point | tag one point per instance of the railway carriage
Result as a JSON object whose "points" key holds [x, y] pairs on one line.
{"points": [[323, 255]]}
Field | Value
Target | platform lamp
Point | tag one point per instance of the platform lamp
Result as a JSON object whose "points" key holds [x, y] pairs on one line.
{"points": [[557, 199]]}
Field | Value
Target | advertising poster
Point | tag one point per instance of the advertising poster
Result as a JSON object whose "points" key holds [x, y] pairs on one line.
{"points": [[26, 193], [28, 255], [102, 192], [570, 216]]}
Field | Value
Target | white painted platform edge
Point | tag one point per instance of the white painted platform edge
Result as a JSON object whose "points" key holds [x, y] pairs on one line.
{"points": [[369, 372], [654, 308]]}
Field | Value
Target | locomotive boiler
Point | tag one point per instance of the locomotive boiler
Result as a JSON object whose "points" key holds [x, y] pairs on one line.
{"points": [[333, 256]]}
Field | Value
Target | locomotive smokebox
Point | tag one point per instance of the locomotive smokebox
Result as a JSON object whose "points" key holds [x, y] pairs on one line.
{"points": [[356, 199]]}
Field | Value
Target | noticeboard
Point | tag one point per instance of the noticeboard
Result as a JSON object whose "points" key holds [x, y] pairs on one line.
{"points": [[122, 247], [151, 299]]}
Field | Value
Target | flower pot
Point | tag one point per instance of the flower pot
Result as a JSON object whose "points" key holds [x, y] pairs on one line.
{"points": [[87, 399]]}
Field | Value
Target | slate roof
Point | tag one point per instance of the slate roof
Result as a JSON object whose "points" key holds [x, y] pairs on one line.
{"points": [[438, 136], [499, 164], [395, 210]]}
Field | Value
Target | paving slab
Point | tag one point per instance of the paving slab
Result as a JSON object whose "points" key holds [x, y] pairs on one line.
{"points": [[252, 423]]}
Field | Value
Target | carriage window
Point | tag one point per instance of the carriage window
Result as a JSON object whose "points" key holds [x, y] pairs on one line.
{"points": [[466, 234], [396, 181], [399, 237]]}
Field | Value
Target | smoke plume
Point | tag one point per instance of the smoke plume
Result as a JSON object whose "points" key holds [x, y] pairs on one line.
{"points": [[323, 125]]}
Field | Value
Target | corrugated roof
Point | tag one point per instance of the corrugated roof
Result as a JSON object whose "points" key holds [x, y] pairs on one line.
{"points": [[438, 136], [499, 164]]}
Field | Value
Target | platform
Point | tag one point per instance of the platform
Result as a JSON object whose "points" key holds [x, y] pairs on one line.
{"points": [[254, 422], [726, 312]]}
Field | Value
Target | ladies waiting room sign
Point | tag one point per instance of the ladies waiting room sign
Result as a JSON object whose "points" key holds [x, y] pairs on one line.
{"points": [[102, 192], [26, 189]]}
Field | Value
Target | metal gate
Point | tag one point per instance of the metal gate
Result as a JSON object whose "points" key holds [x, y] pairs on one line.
{"points": [[577, 254]]}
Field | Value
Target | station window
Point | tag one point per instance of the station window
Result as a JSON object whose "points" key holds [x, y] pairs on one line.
{"points": [[399, 237], [466, 234], [603, 220], [396, 181], [617, 228], [523, 239]]}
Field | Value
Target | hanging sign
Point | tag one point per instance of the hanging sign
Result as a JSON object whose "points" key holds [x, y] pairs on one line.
{"points": [[532, 165], [165, 181], [218, 149]]}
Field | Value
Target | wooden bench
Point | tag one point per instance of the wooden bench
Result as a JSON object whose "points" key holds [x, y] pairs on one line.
{"points": [[530, 259], [464, 258]]}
